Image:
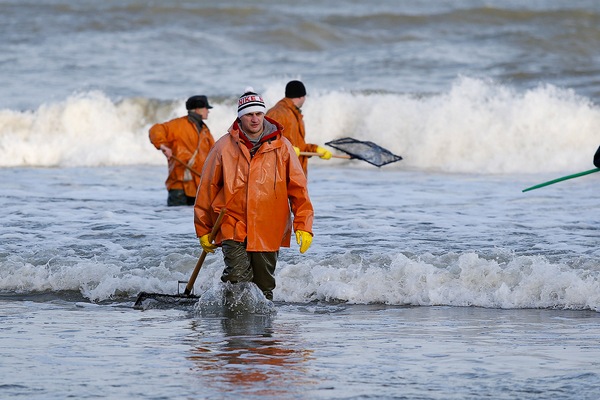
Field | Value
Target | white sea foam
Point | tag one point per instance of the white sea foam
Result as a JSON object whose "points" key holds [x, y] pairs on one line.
{"points": [[411, 238], [457, 280], [476, 127]]}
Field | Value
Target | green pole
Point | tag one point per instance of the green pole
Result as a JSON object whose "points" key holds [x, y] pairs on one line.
{"points": [[564, 178]]}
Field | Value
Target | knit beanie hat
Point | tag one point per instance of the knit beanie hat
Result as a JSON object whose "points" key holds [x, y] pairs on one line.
{"points": [[250, 102], [295, 89]]}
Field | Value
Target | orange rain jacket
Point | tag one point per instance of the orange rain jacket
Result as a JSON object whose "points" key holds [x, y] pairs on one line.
{"points": [[182, 137], [288, 115], [257, 192]]}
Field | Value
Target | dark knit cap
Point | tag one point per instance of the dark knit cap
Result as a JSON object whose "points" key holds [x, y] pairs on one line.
{"points": [[197, 102], [295, 89]]}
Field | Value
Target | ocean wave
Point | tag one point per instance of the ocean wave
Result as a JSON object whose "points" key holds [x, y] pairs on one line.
{"points": [[460, 279], [478, 126]]}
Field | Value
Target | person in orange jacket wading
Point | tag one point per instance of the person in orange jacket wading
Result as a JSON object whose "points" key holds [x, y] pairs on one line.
{"points": [[254, 173], [288, 113], [185, 141]]}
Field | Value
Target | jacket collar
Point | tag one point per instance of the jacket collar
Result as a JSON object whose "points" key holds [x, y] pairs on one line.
{"points": [[290, 104], [272, 127]]}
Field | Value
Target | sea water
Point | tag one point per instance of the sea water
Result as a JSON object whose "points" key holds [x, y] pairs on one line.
{"points": [[417, 285], [434, 277]]}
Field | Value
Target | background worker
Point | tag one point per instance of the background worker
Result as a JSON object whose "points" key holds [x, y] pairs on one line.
{"points": [[185, 141], [597, 158], [254, 173], [288, 113]]}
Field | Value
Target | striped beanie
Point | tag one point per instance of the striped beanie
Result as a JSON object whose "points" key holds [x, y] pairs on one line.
{"points": [[250, 102]]}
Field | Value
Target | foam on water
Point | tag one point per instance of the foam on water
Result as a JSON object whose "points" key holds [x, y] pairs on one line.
{"points": [[476, 127], [226, 299], [457, 280], [405, 238], [450, 279]]}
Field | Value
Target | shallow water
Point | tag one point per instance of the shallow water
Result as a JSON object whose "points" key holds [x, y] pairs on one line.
{"points": [[59, 349], [423, 238], [417, 285]]}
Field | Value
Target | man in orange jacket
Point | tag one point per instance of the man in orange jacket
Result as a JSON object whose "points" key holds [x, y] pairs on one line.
{"points": [[287, 112], [254, 174], [185, 141]]}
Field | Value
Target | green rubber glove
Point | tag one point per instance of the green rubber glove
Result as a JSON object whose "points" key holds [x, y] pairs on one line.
{"points": [[304, 239], [207, 246], [326, 153]]}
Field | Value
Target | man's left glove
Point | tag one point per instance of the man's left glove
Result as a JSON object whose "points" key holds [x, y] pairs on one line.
{"points": [[207, 246], [304, 239], [326, 154]]}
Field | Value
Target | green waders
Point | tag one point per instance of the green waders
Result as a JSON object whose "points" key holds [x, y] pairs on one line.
{"points": [[177, 197], [245, 266]]}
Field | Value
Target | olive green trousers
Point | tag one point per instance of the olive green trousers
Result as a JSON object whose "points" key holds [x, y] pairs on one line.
{"points": [[249, 266]]}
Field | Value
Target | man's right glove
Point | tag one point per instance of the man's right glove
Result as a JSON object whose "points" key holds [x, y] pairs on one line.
{"points": [[207, 246], [326, 154]]}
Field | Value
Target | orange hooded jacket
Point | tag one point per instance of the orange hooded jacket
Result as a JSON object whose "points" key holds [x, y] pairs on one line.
{"points": [[182, 137], [288, 115], [257, 192]]}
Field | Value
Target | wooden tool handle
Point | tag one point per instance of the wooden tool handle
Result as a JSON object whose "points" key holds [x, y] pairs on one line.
{"points": [[213, 233], [192, 170], [310, 154]]}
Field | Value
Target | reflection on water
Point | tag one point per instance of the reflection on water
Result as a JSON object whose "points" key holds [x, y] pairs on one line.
{"points": [[248, 353]]}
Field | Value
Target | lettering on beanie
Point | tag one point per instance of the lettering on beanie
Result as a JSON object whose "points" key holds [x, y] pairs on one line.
{"points": [[250, 102]]}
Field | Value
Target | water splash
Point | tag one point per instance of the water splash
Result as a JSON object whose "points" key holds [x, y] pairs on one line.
{"points": [[227, 299]]}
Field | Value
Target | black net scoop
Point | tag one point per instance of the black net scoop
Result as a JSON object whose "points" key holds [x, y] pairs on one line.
{"points": [[366, 151]]}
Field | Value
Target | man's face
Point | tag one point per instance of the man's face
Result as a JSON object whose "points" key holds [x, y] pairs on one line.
{"points": [[203, 112], [252, 123]]}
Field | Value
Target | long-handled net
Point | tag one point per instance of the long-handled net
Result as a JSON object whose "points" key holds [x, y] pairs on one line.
{"points": [[564, 178], [364, 150]]}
